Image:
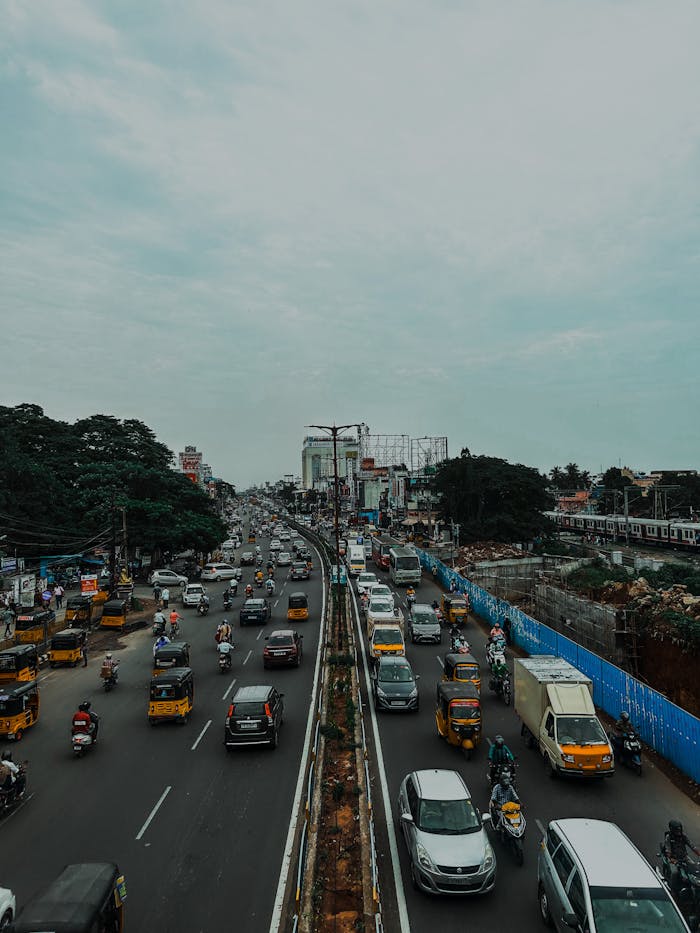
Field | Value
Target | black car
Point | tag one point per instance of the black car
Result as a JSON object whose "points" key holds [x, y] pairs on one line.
{"points": [[254, 717], [247, 559], [299, 571], [255, 610], [394, 684]]}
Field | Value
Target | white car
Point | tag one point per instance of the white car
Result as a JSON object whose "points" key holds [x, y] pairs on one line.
{"points": [[167, 578], [382, 590], [8, 908], [365, 582], [218, 572], [192, 593], [284, 559], [275, 544]]}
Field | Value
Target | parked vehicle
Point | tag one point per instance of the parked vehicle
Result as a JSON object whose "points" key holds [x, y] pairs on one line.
{"points": [[114, 614], [448, 848], [34, 626], [66, 647], [555, 704], [20, 662], [167, 578], [79, 611], [19, 708]]}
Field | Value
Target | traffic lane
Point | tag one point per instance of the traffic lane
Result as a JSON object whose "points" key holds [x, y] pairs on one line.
{"points": [[152, 755], [621, 799]]}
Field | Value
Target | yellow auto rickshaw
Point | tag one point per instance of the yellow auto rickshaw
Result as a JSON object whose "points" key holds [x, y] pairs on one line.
{"points": [[19, 708], [458, 715], [176, 654], [66, 647], [84, 898], [114, 614], [454, 608], [462, 668], [34, 626], [251, 538], [297, 606], [171, 696], [79, 611], [19, 663]]}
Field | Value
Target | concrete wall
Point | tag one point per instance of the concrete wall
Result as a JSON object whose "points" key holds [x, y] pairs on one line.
{"points": [[589, 624], [508, 579]]}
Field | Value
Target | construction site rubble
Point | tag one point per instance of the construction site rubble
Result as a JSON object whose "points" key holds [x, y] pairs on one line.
{"points": [[471, 554], [640, 595]]}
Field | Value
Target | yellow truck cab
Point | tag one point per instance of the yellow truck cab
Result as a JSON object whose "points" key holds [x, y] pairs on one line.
{"points": [[555, 704]]}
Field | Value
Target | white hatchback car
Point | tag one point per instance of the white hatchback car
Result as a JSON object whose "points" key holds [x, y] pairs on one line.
{"points": [[8, 907], [275, 544], [167, 578], [284, 559], [192, 593], [382, 590], [365, 581], [218, 572]]}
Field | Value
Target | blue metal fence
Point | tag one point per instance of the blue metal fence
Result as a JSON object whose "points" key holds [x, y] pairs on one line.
{"points": [[670, 730]]}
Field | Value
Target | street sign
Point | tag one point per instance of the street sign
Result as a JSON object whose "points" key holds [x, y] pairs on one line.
{"points": [[47, 594], [343, 575], [360, 539]]}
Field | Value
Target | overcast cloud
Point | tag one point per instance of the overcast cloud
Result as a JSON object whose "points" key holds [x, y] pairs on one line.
{"points": [[477, 219]]}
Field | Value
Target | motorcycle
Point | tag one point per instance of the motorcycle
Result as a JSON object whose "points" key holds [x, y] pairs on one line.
{"points": [[510, 827], [499, 681], [628, 749], [227, 601], [494, 648], [410, 600], [458, 643], [110, 677], [202, 609], [158, 629], [225, 659], [14, 794], [83, 739], [683, 881], [248, 591], [504, 768]]}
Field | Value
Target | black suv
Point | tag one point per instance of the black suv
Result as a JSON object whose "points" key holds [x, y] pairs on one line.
{"points": [[299, 571], [255, 610], [254, 717]]}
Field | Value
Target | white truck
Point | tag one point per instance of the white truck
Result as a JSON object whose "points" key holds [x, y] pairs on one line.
{"points": [[555, 704], [355, 559]]}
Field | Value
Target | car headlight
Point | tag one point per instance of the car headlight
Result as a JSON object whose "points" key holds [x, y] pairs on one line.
{"points": [[424, 858], [380, 692], [489, 857], [413, 694], [607, 758], [569, 758]]}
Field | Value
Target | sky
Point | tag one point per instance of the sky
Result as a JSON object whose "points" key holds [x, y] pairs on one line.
{"points": [[476, 219]]}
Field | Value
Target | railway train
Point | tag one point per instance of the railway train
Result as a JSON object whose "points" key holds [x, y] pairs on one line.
{"points": [[652, 531]]}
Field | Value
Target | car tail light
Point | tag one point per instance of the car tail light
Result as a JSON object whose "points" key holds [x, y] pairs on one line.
{"points": [[230, 710], [268, 713]]}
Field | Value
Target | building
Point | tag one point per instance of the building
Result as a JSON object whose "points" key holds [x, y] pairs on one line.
{"points": [[191, 464], [317, 459]]}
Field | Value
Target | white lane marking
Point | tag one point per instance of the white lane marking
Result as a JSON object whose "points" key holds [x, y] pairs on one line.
{"points": [[229, 689], [154, 811], [248, 655], [261, 632], [276, 603], [489, 741], [404, 922], [276, 921], [17, 809], [200, 736], [440, 662], [540, 827]]}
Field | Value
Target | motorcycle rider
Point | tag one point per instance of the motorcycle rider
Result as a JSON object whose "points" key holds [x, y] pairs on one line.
{"points": [[225, 649], [159, 620], [499, 755], [410, 595], [9, 771], [675, 848], [623, 727], [503, 792], [457, 641], [248, 590], [109, 667], [160, 643], [270, 587], [87, 720], [223, 632], [496, 632]]}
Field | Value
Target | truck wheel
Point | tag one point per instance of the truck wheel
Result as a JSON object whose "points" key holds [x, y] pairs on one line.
{"points": [[544, 906]]}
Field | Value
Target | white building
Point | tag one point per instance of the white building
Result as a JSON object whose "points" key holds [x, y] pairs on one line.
{"points": [[317, 459]]}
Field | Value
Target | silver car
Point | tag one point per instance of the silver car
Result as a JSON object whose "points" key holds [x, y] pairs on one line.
{"points": [[447, 844]]}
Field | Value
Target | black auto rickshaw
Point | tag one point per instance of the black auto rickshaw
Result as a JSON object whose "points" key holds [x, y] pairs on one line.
{"points": [[458, 715], [175, 654], [79, 611], [34, 626], [19, 708], [19, 663], [113, 614], [171, 696], [85, 898], [462, 668], [66, 647], [454, 608], [298, 606]]}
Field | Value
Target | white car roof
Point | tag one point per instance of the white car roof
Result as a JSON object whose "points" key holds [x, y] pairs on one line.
{"points": [[607, 856], [441, 784]]}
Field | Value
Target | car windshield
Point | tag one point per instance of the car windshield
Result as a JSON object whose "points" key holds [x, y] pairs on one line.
{"points": [[424, 618], [280, 641], [386, 636], [381, 605], [395, 674], [448, 817], [457, 603], [645, 910], [366, 578], [381, 590], [249, 708], [253, 604], [580, 730]]}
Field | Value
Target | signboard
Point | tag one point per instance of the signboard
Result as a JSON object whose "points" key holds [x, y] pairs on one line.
{"points": [[343, 575], [27, 585], [46, 595], [88, 584], [8, 564]]}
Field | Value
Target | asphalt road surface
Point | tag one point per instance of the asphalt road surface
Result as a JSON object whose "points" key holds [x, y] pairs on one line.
{"points": [[210, 857], [409, 741]]}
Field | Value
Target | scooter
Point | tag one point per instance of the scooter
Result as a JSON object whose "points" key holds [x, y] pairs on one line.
{"points": [[227, 601], [202, 609], [629, 750], [225, 660], [493, 648], [15, 793], [82, 739], [158, 629], [458, 643], [683, 881], [510, 826], [110, 677]]}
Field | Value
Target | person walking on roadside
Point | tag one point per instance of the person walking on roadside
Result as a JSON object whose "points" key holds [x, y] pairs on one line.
{"points": [[58, 592], [157, 593], [84, 652], [165, 596], [8, 617]]}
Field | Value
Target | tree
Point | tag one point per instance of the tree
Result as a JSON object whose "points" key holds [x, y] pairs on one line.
{"points": [[492, 499], [614, 482]]}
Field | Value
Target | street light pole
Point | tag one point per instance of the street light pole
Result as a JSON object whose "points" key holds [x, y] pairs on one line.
{"points": [[334, 431]]}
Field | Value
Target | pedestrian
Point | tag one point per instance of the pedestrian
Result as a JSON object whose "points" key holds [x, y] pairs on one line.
{"points": [[8, 618], [157, 593], [453, 585], [58, 592], [84, 652], [165, 596], [507, 625]]}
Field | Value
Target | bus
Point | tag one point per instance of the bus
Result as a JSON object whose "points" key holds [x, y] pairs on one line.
{"points": [[381, 545], [404, 566], [355, 559]]}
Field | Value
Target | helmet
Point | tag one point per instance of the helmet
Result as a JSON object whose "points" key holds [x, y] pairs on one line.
{"points": [[109, 655], [625, 716], [498, 741], [675, 827], [7, 756], [505, 780], [85, 706]]}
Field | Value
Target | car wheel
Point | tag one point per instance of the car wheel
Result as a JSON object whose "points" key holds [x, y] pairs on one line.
{"points": [[544, 905], [414, 880], [6, 920], [275, 740], [18, 735]]}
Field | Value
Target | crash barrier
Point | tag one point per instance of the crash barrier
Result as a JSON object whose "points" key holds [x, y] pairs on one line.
{"points": [[329, 557], [671, 731]]}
